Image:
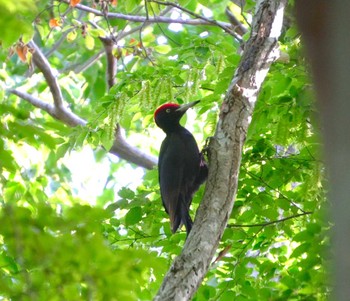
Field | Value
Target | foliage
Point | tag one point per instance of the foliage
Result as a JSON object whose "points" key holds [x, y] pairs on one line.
{"points": [[56, 244], [16, 18]]}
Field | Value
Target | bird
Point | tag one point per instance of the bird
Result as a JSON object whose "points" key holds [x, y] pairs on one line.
{"points": [[181, 166]]}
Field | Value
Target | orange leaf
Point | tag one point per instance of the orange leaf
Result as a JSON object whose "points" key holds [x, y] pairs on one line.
{"points": [[22, 51], [114, 3], [54, 23], [74, 2], [133, 42]]}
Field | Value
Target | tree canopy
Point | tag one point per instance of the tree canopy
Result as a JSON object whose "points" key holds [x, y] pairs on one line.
{"points": [[81, 79]]}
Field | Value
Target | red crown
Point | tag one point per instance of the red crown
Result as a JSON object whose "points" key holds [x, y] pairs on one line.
{"points": [[166, 106]]}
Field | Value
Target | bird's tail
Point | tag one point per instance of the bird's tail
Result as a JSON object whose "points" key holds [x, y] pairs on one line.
{"points": [[182, 217]]}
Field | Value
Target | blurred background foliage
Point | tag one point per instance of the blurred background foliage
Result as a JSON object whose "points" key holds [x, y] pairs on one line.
{"points": [[79, 224]]}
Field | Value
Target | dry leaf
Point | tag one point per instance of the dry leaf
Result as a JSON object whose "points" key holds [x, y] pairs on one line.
{"points": [[74, 3], [54, 23], [22, 51]]}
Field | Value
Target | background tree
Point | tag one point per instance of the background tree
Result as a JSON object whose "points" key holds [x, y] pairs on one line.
{"points": [[325, 30], [59, 243]]}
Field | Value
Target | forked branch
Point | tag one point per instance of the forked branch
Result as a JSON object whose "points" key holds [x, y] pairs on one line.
{"points": [[60, 111]]}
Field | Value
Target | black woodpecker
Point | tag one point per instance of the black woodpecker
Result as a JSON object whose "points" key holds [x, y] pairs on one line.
{"points": [[181, 166]]}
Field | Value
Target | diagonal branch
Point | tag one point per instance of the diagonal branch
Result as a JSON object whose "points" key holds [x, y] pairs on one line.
{"points": [[142, 19], [60, 111], [225, 27], [42, 63], [190, 267], [237, 25], [269, 223]]}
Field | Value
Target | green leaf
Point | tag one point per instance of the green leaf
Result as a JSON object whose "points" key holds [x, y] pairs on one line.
{"points": [[133, 216], [300, 250], [89, 42], [71, 36], [13, 192], [163, 49], [126, 193], [62, 150]]}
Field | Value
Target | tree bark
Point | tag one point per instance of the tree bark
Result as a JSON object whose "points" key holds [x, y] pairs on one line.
{"points": [[325, 28], [225, 152]]}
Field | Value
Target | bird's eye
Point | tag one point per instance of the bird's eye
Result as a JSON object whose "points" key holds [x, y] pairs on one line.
{"points": [[167, 110]]}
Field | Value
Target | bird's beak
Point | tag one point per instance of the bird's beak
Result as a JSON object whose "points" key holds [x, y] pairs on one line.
{"points": [[183, 108]]}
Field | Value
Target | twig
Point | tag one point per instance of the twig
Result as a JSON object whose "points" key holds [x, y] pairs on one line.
{"points": [[268, 223], [233, 271], [274, 189], [64, 35], [225, 27], [80, 67], [59, 42], [157, 19]]}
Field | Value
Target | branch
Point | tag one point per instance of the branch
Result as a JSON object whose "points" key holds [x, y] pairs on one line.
{"points": [[108, 44], [80, 67], [42, 63], [120, 147], [237, 25], [141, 19], [124, 150], [62, 113], [269, 223], [225, 27], [77, 68], [225, 153], [59, 111], [252, 175]]}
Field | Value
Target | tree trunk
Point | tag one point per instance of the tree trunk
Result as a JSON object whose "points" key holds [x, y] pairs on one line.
{"points": [[325, 26], [225, 152]]}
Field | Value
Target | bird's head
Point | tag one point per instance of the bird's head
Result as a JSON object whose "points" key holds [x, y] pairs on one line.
{"points": [[168, 115]]}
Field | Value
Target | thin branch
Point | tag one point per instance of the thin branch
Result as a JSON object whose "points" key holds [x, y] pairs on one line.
{"points": [[274, 189], [233, 271], [49, 108], [268, 223], [77, 68], [59, 42], [225, 27], [157, 19], [59, 113], [80, 67], [237, 25], [64, 35]]}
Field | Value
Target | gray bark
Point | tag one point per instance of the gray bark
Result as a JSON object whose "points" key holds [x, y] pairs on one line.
{"points": [[225, 152]]}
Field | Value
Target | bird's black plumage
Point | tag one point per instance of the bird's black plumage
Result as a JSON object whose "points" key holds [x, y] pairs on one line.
{"points": [[182, 168]]}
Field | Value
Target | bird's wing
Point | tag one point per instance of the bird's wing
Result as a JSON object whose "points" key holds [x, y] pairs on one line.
{"points": [[171, 169]]}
